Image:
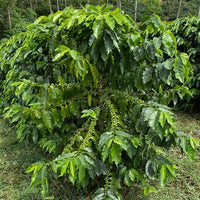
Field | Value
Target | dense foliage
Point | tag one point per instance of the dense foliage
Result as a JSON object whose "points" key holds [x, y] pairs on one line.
{"points": [[93, 91], [16, 14], [187, 33]]}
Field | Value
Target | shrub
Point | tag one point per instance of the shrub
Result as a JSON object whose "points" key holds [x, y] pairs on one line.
{"points": [[91, 90]]}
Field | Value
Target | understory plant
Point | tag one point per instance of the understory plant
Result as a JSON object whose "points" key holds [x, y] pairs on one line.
{"points": [[93, 91]]}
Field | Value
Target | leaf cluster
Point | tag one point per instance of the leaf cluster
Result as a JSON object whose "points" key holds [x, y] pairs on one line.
{"points": [[186, 31]]}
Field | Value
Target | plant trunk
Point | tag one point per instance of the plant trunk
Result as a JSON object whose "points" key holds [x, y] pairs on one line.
{"points": [[119, 4], [88, 1], [65, 3], [50, 8], [107, 2], [36, 3], [199, 12], [31, 6], [179, 8], [58, 5], [9, 18], [136, 3]]}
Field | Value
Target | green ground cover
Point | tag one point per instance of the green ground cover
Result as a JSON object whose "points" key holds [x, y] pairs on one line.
{"points": [[16, 157]]}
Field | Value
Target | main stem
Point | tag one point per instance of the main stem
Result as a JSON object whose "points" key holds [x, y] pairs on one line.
{"points": [[100, 86]]}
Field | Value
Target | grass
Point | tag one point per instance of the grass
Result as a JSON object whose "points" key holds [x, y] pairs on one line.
{"points": [[16, 157]]}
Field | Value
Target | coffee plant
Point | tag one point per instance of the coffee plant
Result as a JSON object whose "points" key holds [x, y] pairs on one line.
{"points": [[187, 33], [90, 89]]}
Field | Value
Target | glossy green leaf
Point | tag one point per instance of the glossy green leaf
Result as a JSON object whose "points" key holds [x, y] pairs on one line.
{"points": [[97, 27], [116, 154], [169, 42], [147, 75], [110, 21], [171, 170], [47, 120], [163, 173], [179, 69]]}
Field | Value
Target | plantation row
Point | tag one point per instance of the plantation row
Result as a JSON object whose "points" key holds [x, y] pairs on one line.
{"points": [[92, 89]]}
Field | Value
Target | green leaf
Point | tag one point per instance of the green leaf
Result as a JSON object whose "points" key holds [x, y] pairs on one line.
{"points": [[81, 18], [118, 18], [57, 16], [149, 189], [105, 152], [162, 119], [116, 153], [131, 175], [151, 115], [149, 169], [62, 51], [190, 150], [147, 74], [64, 111], [163, 72], [183, 144], [105, 137], [157, 42], [47, 120], [81, 174], [112, 195], [97, 27], [99, 194], [123, 134], [55, 95], [179, 69], [135, 141], [171, 170], [87, 113], [184, 58], [136, 37], [170, 119], [169, 43], [127, 179], [163, 173], [110, 21], [64, 168], [108, 43], [122, 142], [72, 168], [168, 64]]}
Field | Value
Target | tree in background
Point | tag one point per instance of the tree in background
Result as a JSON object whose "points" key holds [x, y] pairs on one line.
{"points": [[170, 7], [136, 3], [179, 8], [15, 16], [199, 12]]}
